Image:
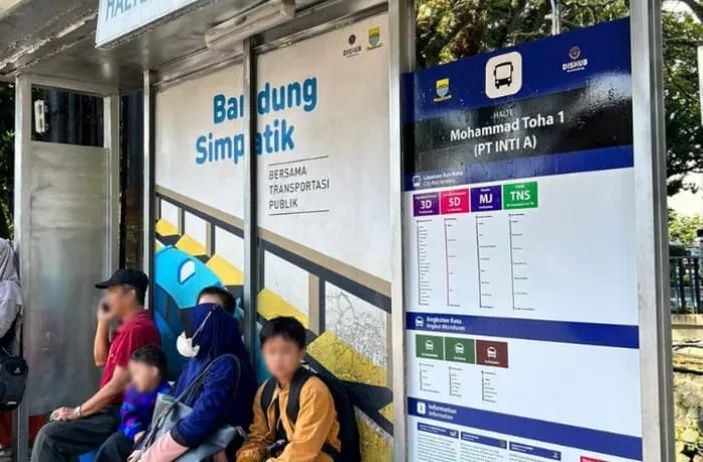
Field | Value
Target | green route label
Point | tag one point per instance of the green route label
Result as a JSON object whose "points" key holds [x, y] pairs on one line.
{"points": [[429, 347], [520, 196], [460, 350]]}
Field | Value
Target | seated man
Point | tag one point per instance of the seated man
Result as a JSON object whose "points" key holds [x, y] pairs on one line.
{"points": [[273, 437], [76, 431]]}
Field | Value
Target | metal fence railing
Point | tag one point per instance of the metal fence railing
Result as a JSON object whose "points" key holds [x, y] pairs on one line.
{"points": [[685, 285]]}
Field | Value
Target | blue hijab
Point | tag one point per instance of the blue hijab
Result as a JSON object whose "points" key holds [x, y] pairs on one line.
{"points": [[215, 331], [228, 394]]}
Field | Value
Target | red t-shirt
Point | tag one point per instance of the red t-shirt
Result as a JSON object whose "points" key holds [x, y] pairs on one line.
{"points": [[136, 332]]}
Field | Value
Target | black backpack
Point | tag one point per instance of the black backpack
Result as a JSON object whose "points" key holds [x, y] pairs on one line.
{"points": [[13, 381], [348, 429], [13, 372]]}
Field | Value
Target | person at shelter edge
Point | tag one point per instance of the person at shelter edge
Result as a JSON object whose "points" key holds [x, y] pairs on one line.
{"points": [[79, 430]]}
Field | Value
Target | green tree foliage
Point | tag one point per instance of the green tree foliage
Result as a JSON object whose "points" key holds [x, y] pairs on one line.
{"points": [[684, 134], [683, 229], [448, 30], [7, 158]]}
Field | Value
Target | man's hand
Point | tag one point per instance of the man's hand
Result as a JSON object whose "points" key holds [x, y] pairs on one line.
{"points": [[135, 456], [104, 312], [138, 436], [63, 414]]}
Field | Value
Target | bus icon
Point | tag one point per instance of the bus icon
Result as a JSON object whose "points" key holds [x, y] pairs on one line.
{"points": [[492, 353], [503, 74]]}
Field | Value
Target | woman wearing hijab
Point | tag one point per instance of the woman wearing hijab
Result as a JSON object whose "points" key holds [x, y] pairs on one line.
{"points": [[10, 311], [227, 394], [10, 294]]}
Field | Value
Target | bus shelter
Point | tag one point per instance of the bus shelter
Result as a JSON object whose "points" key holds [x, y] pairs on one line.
{"points": [[292, 154]]}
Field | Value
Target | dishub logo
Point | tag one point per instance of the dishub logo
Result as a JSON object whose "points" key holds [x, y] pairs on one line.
{"points": [[374, 38], [442, 90], [576, 63], [574, 53], [353, 49]]}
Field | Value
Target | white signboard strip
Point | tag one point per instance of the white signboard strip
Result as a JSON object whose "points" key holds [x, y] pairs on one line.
{"points": [[118, 18]]}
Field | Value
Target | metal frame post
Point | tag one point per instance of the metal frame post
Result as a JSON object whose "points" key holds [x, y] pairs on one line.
{"points": [[149, 101], [652, 242], [699, 53], [23, 138], [402, 59], [111, 141], [556, 17], [251, 273]]}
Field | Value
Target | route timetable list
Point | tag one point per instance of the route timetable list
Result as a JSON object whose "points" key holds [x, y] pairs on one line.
{"points": [[478, 218], [520, 270]]}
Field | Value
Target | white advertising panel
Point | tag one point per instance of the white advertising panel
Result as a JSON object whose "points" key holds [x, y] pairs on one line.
{"points": [[323, 204], [323, 209], [199, 202]]}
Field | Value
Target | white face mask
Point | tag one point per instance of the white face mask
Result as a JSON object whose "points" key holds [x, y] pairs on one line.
{"points": [[185, 346]]}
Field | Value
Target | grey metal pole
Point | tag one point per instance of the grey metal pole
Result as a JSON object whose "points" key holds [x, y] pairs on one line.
{"points": [[149, 218], [700, 78], [402, 60], [111, 140], [251, 273], [556, 17], [23, 136], [651, 232]]}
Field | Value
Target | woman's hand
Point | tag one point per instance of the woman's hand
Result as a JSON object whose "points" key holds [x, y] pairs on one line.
{"points": [[135, 456], [138, 437], [165, 448]]}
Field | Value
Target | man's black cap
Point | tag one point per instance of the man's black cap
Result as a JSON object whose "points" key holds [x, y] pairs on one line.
{"points": [[128, 277]]}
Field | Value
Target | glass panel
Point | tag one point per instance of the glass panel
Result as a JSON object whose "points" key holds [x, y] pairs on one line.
{"points": [[67, 118]]}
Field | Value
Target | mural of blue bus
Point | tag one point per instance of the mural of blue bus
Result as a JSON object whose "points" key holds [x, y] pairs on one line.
{"points": [[178, 279]]}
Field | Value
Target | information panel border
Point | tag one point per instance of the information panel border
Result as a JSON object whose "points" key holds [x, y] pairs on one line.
{"points": [[652, 253]]}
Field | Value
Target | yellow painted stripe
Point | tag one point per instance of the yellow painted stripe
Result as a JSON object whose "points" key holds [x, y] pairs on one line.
{"points": [[191, 246], [165, 228], [228, 274], [345, 362], [375, 444], [271, 305], [157, 246], [387, 412]]}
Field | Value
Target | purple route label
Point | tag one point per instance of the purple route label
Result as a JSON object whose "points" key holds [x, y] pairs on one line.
{"points": [[486, 198], [425, 204]]}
